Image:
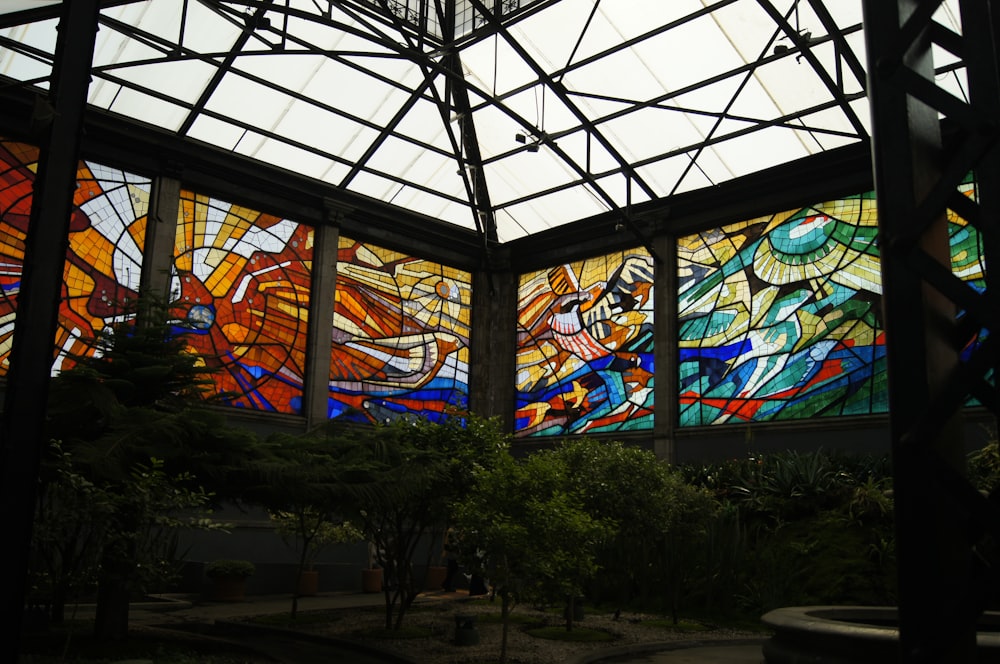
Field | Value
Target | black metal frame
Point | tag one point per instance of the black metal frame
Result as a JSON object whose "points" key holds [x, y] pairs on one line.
{"points": [[440, 61], [946, 529]]}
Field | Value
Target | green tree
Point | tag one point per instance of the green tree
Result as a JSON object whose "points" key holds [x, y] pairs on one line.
{"points": [[132, 423], [301, 481], [401, 478], [660, 519], [523, 521]]}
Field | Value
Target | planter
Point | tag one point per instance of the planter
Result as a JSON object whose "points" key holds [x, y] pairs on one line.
{"points": [[371, 580], [308, 583], [229, 588], [856, 634], [436, 574]]}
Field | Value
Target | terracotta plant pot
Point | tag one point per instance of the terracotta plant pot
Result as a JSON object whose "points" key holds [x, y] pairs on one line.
{"points": [[371, 580], [436, 575], [309, 582], [229, 588]]}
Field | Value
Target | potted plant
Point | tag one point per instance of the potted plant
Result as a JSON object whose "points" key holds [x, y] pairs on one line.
{"points": [[229, 577], [371, 576], [309, 531]]}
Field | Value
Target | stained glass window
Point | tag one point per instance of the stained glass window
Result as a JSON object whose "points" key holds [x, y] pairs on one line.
{"points": [[240, 284], [400, 336], [585, 347], [968, 262], [104, 260], [779, 317]]}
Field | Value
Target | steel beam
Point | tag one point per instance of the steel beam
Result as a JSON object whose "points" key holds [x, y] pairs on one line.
{"points": [[32, 353], [930, 314]]}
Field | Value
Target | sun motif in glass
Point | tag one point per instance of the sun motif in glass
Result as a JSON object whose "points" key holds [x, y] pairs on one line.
{"points": [[240, 290]]}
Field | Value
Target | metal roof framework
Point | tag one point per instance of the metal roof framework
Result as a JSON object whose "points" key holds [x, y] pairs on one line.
{"points": [[506, 118]]}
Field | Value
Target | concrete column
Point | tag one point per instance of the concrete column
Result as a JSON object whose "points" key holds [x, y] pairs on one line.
{"points": [[161, 233], [665, 347], [322, 296], [493, 340]]}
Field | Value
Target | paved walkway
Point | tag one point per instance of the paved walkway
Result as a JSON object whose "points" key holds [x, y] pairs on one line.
{"points": [[179, 608], [176, 609]]}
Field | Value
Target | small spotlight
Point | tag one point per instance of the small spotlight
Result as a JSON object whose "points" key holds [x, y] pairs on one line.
{"points": [[533, 147], [781, 49], [520, 138]]}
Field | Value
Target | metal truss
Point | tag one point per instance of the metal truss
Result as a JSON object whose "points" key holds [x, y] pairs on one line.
{"points": [[941, 333], [434, 35]]}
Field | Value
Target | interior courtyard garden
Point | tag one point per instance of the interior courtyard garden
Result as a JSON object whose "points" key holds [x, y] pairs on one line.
{"points": [[320, 296]]}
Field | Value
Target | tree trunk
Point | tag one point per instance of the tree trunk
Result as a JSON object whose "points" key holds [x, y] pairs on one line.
{"points": [[57, 612], [111, 619], [505, 622]]}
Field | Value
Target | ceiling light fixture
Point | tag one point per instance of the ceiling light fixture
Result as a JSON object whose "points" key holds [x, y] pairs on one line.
{"points": [[523, 140]]}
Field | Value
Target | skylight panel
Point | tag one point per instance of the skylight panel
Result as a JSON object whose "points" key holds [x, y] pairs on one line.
{"points": [[686, 175], [355, 93], [424, 123], [249, 102], [663, 175], [291, 158], [183, 81], [525, 173], [447, 186], [617, 188], [683, 57], [496, 132], [621, 75], [837, 125], [588, 152], [292, 70], [24, 68], [495, 67], [11, 6], [748, 29], [436, 207], [540, 110], [408, 161], [376, 186], [550, 211], [649, 132], [332, 134], [764, 96], [148, 109], [40, 35], [216, 132], [749, 153]]}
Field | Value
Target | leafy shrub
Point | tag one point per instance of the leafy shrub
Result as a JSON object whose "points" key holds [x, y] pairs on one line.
{"points": [[229, 567]]}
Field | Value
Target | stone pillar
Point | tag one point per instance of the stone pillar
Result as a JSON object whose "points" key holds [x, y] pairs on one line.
{"points": [[161, 233], [665, 347], [322, 296], [493, 340]]}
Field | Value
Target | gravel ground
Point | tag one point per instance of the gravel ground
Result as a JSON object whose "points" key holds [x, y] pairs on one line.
{"points": [[440, 647]]}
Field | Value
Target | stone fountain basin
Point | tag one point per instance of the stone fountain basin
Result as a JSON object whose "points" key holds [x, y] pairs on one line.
{"points": [[852, 635]]}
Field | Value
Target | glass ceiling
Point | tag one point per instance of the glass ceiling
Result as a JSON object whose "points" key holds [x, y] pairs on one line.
{"points": [[508, 117]]}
